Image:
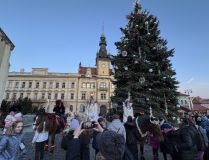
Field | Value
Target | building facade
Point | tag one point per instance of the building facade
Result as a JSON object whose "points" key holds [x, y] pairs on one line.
{"points": [[6, 46], [77, 90]]}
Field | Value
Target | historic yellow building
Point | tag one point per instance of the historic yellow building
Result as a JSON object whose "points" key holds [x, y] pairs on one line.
{"points": [[76, 90]]}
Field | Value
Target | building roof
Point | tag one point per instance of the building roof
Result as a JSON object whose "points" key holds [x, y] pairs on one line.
{"points": [[83, 70], [182, 94], [199, 107]]}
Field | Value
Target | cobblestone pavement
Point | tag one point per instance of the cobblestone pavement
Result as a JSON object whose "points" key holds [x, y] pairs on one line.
{"points": [[59, 153]]}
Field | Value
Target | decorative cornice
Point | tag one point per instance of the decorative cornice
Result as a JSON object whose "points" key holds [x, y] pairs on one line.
{"points": [[4, 37]]}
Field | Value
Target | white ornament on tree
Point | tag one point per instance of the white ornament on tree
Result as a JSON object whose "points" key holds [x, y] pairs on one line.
{"points": [[150, 70], [136, 62], [124, 53], [140, 53]]}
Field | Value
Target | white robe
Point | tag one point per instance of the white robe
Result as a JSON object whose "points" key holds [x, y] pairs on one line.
{"points": [[127, 111]]}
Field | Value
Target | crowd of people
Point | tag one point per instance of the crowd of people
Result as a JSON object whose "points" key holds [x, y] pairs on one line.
{"points": [[111, 138]]}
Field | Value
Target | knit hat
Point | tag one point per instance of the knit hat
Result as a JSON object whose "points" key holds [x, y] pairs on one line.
{"points": [[111, 145], [74, 124]]}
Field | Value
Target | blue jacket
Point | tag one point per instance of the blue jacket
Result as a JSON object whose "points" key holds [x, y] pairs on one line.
{"points": [[10, 147], [205, 123]]}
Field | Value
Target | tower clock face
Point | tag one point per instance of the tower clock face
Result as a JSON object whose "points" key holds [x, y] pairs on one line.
{"points": [[103, 65]]}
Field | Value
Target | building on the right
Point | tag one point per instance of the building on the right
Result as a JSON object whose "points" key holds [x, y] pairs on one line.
{"points": [[193, 104]]}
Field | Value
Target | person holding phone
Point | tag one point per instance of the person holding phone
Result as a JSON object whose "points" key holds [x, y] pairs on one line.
{"points": [[11, 144]]}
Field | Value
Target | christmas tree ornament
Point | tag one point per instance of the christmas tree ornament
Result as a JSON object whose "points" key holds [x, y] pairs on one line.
{"points": [[124, 53], [140, 53], [159, 46], [154, 48], [150, 70], [116, 67], [150, 111], [141, 80], [126, 68], [149, 89], [136, 62]]}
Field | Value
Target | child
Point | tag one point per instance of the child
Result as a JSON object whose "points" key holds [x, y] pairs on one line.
{"points": [[11, 144], [41, 135], [9, 120], [155, 146]]}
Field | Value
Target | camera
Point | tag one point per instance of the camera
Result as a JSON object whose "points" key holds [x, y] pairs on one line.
{"points": [[88, 125]]}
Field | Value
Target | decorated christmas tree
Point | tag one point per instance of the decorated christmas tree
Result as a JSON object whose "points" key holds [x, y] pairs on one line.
{"points": [[143, 66]]}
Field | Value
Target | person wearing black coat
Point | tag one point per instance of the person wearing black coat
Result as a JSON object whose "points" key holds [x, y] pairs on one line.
{"points": [[131, 137], [189, 137]]}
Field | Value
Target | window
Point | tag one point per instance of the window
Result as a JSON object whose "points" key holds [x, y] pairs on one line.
{"points": [[92, 85], [21, 95], [182, 102], [35, 96], [72, 96], [56, 96], [37, 84], [10, 84], [49, 95], [62, 96], [63, 85], [14, 96], [44, 85], [185, 102], [23, 84], [83, 85], [71, 108], [30, 85], [88, 85], [43, 96], [102, 85], [16, 84], [73, 85], [57, 85], [103, 96], [83, 96], [7, 96], [50, 84]]}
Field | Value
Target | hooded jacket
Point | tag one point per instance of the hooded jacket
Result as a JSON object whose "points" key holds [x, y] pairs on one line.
{"points": [[117, 126]]}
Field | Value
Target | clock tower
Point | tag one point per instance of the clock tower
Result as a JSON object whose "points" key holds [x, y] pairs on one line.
{"points": [[102, 59]]}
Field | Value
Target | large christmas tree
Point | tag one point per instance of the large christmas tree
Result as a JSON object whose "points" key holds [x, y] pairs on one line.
{"points": [[143, 67]]}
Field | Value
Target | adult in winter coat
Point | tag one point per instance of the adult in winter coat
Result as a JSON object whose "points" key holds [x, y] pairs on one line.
{"points": [[117, 126], [59, 108], [11, 145], [131, 137], [112, 146], [188, 136]]}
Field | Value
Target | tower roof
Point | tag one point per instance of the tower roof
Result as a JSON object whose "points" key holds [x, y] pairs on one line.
{"points": [[102, 51]]}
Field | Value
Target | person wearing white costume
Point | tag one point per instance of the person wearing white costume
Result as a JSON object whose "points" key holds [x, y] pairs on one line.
{"points": [[127, 108], [93, 112]]}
